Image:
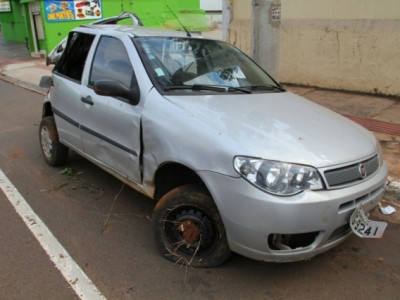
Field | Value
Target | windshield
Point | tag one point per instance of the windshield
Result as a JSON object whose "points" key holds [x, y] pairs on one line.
{"points": [[180, 63]]}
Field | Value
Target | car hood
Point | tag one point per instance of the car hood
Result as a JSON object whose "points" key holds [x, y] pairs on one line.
{"points": [[278, 126]]}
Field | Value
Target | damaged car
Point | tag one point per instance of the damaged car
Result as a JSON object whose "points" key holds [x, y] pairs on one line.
{"points": [[234, 161]]}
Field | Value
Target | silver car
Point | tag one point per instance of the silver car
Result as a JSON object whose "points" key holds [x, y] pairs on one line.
{"points": [[236, 162]]}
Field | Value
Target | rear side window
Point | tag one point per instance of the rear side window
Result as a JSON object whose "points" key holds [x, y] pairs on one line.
{"points": [[111, 62], [72, 61]]}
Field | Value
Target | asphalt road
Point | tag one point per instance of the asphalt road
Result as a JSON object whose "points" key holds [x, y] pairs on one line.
{"points": [[119, 255]]}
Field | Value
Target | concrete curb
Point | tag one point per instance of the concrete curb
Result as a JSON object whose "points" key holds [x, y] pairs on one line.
{"points": [[25, 85], [393, 185], [392, 190]]}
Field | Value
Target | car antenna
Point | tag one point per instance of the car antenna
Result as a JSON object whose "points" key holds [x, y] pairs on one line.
{"points": [[187, 31]]}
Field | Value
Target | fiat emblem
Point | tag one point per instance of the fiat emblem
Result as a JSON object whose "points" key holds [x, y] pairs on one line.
{"points": [[363, 170]]}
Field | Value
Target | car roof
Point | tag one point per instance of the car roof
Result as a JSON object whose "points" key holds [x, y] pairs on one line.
{"points": [[135, 31]]}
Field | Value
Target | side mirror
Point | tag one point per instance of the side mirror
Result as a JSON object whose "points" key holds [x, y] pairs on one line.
{"points": [[53, 59], [46, 82], [115, 88], [55, 54]]}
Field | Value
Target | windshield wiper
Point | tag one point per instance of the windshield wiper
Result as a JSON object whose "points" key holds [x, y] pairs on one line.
{"points": [[234, 88], [199, 87], [194, 87], [268, 87]]}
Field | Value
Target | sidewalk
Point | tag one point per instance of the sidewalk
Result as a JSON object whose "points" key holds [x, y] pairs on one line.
{"points": [[26, 73], [380, 115], [17, 66]]}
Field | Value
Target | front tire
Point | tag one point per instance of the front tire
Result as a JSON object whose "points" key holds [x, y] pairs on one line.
{"points": [[188, 229], [54, 153]]}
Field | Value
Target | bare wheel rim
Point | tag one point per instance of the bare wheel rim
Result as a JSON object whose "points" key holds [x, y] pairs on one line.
{"points": [[190, 231], [47, 145]]}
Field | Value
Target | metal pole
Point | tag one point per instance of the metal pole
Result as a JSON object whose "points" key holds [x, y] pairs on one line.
{"points": [[266, 35], [226, 18]]}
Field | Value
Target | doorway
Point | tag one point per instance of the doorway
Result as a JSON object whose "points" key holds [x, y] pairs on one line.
{"points": [[35, 18]]}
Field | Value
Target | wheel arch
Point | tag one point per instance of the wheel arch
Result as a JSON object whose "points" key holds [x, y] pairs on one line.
{"points": [[172, 175], [47, 110]]}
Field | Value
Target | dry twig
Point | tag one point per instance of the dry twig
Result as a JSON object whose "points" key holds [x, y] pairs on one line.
{"points": [[111, 208]]}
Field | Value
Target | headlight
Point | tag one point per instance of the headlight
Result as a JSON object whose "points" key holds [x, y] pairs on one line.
{"points": [[278, 178]]}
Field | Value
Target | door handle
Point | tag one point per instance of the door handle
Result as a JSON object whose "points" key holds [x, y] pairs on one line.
{"points": [[87, 100]]}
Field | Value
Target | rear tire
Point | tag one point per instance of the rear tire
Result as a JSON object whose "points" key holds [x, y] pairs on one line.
{"points": [[188, 229], [54, 153]]}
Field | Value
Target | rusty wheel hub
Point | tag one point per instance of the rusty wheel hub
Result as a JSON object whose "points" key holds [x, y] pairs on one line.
{"points": [[190, 232]]}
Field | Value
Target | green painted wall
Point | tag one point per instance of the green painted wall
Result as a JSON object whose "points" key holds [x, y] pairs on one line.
{"points": [[153, 13], [28, 29], [13, 23]]}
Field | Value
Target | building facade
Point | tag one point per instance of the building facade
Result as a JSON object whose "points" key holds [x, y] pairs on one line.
{"points": [[344, 44], [42, 24]]}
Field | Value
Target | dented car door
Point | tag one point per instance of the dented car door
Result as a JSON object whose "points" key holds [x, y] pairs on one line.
{"points": [[110, 126]]}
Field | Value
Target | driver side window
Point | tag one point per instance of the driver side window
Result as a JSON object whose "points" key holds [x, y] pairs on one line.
{"points": [[111, 62]]}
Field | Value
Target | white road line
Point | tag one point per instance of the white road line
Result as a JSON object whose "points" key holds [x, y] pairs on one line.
{"points": [[78, 280]]}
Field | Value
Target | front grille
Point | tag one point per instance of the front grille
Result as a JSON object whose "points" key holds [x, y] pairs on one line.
{"points": [[351, 173]]}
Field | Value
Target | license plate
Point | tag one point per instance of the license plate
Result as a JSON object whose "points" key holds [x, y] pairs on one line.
{"points": [[365, 228]]}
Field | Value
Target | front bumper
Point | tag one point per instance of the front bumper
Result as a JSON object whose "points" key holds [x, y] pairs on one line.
{"points": [[258, 223]]}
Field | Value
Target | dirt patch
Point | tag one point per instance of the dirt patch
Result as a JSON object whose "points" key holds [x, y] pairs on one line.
{"points": [[18, 153]]}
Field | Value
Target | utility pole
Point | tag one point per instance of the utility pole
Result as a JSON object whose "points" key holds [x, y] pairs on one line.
{"points": [[265, 34], [226, 19]]}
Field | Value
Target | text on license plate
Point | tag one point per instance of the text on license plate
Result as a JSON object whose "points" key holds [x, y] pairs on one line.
{"points": [[365, 228]]}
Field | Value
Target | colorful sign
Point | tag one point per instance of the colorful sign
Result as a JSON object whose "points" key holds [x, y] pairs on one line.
{"points": [[72, 10], [5, 5]]}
